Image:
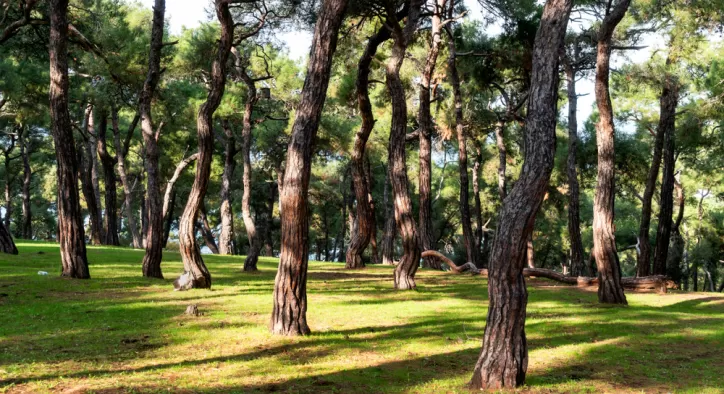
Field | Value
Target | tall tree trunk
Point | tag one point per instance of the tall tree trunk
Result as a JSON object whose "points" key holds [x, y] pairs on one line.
{"points": [[252, 256], [404, 278], [195, 273], [170, 193], [574, 204], [426, 128], [268, 249], [339, 239], [206, 231], [91, 149], [388, 237], [121, 151], [289, 315], [168, 217], [673, 264], [109, 177], [27, 225], [502, 159], [8, 178], [360, 238], [226, 238], [610, 290], [70, 221], [374, 253], [667, 122], [89, 195], [530, 251], [504, 358], [480, 231], [471, 248], [153, 232]]}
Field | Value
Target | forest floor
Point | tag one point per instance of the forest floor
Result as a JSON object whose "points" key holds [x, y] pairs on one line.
{"points": [[119, 332]]}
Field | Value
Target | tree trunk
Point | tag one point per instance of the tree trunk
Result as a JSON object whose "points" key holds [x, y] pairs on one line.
{"points": [[404, 278], [472, 250], [8, 178], [121, 151], [109, 178], [195, 273], [206, 231], [168, 217], [70, 221], [426, 128], [268, 249], [339, 240], [374, 253], [289, 315], [676, 254], [504, 358], [226, 238], [574, 204], [502, 159], [7, 245], [91, 149], [610, 290], [480, 231], [252, 256], [360, 238], [153, 232], [667, 123], [530, 251], [89, 194], [388, 237], [170, 193], [27, 225]]}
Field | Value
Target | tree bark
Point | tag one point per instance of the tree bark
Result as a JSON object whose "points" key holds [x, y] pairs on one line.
{"points": [[268, 249], [502, 159], [360, 238], [153, 232], [404, 278], [206, 231], [504, 358], [426, 128], [7, 245], [667, 122], [70, 222], [121, 151], [109, 178], [610, 290], [574, 204], [91, 149], [673, 264], [168, 217], [25, 151], [170, 193], [289, 315], [226, 238], [388, 237], [471, 247], [8, 178], [195, 273], [374, 252]]}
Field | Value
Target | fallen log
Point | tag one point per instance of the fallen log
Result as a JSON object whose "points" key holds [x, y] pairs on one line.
{"points": [[658, 283]]}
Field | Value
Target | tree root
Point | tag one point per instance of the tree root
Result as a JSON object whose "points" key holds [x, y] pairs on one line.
{"points": [[657, 283]]}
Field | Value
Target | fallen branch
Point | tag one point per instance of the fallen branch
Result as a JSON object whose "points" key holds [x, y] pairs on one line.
{"points": [[658, 283]]}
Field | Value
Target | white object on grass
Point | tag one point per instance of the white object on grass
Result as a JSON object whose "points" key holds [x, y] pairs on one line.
{"points": [[42, 273]]}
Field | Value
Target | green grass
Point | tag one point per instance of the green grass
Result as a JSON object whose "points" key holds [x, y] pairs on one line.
{"points": [[119, 332]]}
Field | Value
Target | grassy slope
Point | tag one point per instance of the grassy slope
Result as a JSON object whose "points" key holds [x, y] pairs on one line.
{"points": [[119, 332]]}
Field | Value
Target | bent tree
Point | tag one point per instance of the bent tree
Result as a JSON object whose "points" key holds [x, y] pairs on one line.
{"points": [[610, 290], [504, 358], [153, 218], [404, 278], [195, 273], [70, 222], [289, 315]]}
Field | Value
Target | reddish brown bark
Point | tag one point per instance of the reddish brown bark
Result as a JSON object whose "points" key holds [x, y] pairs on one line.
{"points": [[667, 123], [426, 127], [388, 236], [70, 222], [109, 178], [226, 238], [404, 278], [195, 273], [89, 193], [610, 290], [471, 247], [362, 234], [153, 231], [289, 315], [374, 253], [504, 358]]}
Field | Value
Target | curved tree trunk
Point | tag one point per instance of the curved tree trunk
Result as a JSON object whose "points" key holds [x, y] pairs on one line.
{"points": [[153, 231], [70, 223], [121, 151], [206, 232], [252, 257], [504, 358], [574, 204], [360, 239], [610, 290], [388, 237], [195, 273], [27, 225], [404, 271], [667, 122], [289, 315], [109, 178], [226, 238], [471, 247], [170, 205], [426, 129]]}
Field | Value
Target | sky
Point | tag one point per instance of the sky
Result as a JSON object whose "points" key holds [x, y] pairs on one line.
{"points": [[190, 13]]}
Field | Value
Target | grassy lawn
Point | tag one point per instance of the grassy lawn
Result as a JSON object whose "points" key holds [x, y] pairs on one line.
{"points": [[119, 332]]}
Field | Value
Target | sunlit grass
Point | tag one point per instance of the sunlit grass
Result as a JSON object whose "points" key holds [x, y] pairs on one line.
{"points": [[119, 332]]}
